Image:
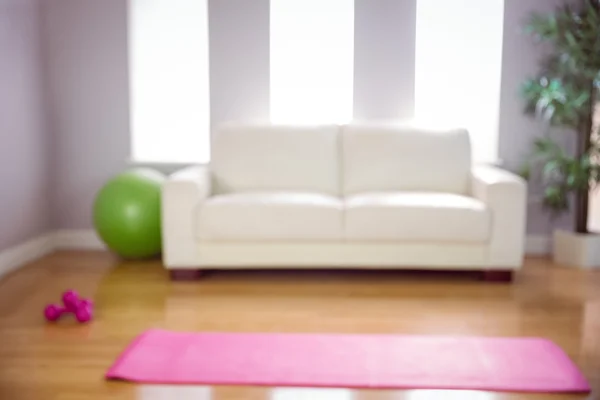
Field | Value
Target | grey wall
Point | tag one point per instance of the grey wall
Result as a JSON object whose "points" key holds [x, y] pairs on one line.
{"points": [[86, 47], [384, 59], [239, 60], [24, 175]]}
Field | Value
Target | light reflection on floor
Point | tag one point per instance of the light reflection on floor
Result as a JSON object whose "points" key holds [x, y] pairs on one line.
{"points": [[188, 392], [174, 392], [447, 395]]}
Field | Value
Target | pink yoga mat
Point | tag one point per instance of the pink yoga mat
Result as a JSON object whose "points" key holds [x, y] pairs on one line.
{"points": [[350, 361]]}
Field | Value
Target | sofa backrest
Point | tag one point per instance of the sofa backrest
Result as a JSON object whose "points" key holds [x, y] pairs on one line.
{"points": [[255, 157], [387, 157]]}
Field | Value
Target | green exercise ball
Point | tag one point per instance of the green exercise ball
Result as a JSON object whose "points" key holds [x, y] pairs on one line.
{"points": [[127, 213]]}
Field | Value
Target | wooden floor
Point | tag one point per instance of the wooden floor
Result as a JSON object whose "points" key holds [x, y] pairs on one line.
{"points": [[67, 361]]}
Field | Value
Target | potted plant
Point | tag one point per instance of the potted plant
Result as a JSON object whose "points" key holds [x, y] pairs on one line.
{"points": [[564, 94]]}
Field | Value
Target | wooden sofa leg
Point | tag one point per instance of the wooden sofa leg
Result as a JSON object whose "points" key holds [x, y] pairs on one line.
{"points": [[497, 275], [185, 274]]}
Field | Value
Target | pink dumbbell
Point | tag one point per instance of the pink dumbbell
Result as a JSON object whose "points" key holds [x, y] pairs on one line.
{"points": [[72, 301], [52, 312], [81, 308], [84, 313]]}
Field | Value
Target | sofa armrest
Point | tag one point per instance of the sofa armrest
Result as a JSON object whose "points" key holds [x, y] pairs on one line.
{"points": [[181, 194], [506, 196]]}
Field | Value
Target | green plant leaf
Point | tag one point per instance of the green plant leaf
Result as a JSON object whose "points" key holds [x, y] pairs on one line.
{"points": [[546, 147], [571, 181], [555, 199], [581, 100], [525, 171], [552, 168], [561, 94]]}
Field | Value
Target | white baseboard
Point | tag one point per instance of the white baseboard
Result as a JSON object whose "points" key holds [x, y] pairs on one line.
{"points": [[77, 239], [538, 245], [24, 253], [19, 255], [87, 239]]}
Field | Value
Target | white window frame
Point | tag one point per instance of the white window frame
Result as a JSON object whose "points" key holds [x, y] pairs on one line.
{"points": [[169, 81], [458, 69], [312, 61]]}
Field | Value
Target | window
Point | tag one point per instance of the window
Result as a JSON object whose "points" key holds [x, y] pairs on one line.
{"points": [[170, 111], [312, 61], [458, 68]]}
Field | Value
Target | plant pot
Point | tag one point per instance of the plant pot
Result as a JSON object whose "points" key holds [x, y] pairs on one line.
{"points": [[576, 249]]}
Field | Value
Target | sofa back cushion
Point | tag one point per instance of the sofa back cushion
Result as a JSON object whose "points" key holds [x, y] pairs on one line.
{"points": [[276, 158], [404, 158]]}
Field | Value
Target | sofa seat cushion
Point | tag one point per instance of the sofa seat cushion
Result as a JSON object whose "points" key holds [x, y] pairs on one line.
{"points": [[416, 216], [270, 216]]}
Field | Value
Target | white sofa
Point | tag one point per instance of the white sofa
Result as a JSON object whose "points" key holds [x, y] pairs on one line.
{"points": [[352, 196]]}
